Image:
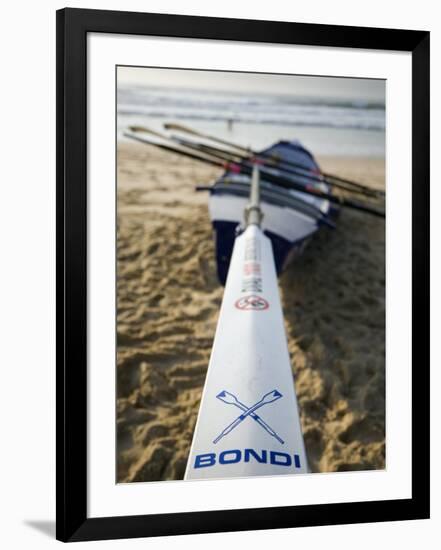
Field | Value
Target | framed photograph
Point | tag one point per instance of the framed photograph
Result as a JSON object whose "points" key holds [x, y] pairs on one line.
{"points": [[242, 274]]}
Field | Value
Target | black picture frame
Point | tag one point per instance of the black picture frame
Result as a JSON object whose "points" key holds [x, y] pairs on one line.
{"points": [[71, 324]]}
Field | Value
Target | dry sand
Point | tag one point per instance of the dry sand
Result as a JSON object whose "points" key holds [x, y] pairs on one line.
{"points": [[168, 301]]}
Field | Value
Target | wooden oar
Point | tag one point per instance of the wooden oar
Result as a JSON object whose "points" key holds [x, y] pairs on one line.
{"points": [[335, 179], [282, 181], [212, 151], [229, 156], [235, 157]]}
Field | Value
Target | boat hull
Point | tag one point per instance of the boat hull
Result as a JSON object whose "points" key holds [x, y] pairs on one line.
{"points": [[248, 422], [290, 217], [288, 231]]}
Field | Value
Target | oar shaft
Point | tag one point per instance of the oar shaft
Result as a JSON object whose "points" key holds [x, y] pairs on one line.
{"points": [[186, 129], [253, 212], [236, 157], [274, 158], [215, 151], [227, 156], [177, 151], [289, 183], [349, 183], [282, 181], [303, 173]]}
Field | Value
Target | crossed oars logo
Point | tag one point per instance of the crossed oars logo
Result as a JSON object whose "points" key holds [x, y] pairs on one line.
{"points": [[231, 399]]}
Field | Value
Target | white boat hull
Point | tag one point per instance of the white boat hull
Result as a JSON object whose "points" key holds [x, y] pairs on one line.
{"points": [[248, 423]]}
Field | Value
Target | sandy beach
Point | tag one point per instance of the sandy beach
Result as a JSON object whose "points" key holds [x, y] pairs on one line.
{"points": [[168, 300]]}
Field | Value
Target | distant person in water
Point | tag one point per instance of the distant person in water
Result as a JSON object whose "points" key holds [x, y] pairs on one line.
{"points": [[230, 124]]}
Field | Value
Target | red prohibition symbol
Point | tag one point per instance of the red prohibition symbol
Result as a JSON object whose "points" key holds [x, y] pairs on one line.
{"points": [[252, 303]]}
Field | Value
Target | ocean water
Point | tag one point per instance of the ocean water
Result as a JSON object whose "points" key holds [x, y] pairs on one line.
{"points": [[334, 126]]}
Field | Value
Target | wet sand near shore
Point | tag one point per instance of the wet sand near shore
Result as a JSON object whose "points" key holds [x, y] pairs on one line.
{"points": [[168, 300]]}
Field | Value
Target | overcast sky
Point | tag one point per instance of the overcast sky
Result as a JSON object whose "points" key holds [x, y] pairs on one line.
{"points": [[350, 88]]}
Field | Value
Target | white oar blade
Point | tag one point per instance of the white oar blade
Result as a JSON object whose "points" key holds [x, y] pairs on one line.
{"points": [[248, 423]]}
